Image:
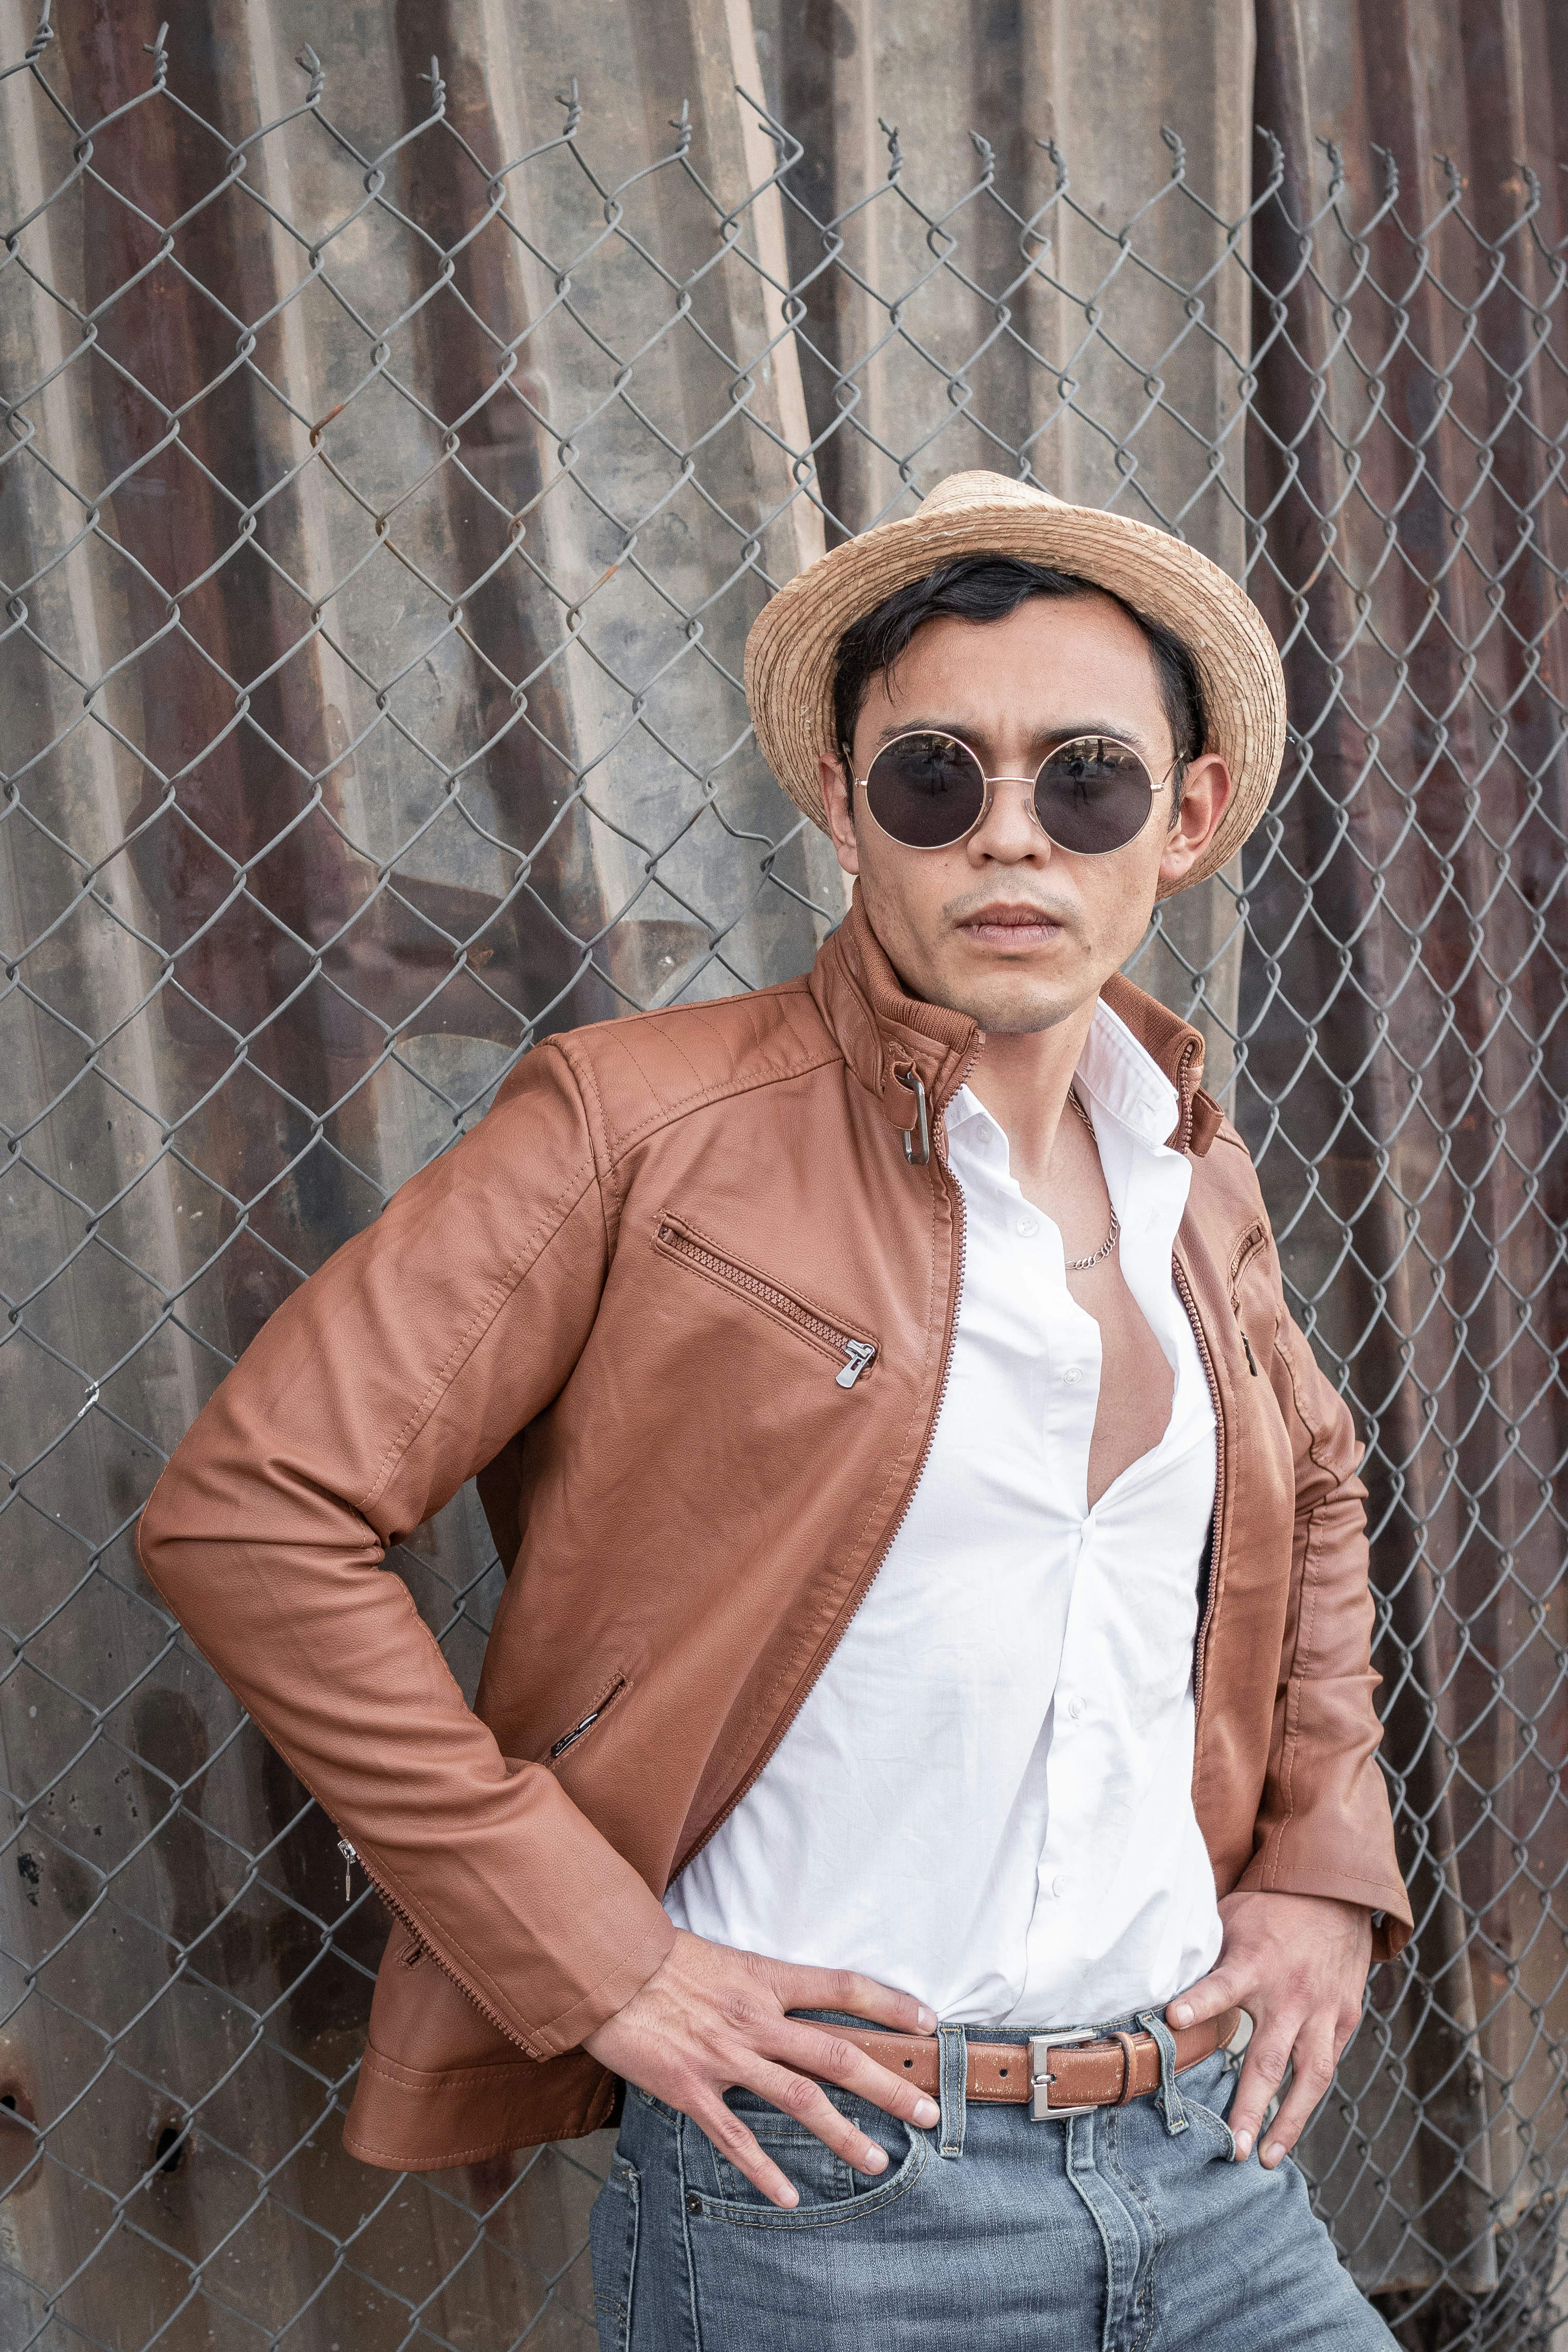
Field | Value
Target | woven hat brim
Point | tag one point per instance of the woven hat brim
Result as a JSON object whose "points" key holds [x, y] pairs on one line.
{"points": [[792, 650]]}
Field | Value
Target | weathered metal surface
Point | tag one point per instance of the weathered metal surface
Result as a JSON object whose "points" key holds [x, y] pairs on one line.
{"points": [[1411, 1028], [398, 448]]}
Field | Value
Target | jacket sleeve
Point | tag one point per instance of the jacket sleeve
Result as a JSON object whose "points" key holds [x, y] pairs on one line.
{"points": [[1325, 1826], [391, 1376]]}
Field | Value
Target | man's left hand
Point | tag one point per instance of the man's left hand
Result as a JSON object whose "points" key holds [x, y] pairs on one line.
{"points": [[1297, 1964]]}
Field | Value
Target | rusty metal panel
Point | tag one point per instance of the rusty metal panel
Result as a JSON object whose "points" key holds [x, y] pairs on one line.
{"points": [[397, 447], [1410, 920]]}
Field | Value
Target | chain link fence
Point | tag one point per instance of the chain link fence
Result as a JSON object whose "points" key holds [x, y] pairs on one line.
{"points": [[380, 532]]}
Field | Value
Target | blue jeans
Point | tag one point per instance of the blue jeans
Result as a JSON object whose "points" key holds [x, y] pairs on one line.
{"points": [[1126, 2230]]}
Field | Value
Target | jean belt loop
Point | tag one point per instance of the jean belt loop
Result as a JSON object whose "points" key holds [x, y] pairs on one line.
{"points": [[1153, 2022], [954, 2087]]}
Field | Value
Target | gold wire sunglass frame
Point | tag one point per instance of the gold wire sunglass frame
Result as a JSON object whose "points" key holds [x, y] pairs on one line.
{"points": [[942, 735]]}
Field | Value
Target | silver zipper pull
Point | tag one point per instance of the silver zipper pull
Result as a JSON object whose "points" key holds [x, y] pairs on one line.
{"points": [[350, 1858], [917, 1143], [575, 1733], [860, 1353]]}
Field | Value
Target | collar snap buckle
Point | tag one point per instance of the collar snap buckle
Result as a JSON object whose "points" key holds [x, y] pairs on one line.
{"points": [[916, 1139]]}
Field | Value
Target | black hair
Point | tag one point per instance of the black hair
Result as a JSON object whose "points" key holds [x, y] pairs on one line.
{"points": [[989, 588]]}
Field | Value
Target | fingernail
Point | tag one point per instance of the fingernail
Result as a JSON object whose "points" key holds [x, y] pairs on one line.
{"points": [[927, 2021], [1181, 2014], [927, 2114], [1273, 2154], [875, 2160], [1243, 2146]]}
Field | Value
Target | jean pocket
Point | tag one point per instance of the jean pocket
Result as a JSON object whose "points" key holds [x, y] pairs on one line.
{"points": [[829, 2189], [613, 2254]]}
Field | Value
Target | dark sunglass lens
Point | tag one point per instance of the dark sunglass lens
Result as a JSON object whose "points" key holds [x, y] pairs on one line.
{"points": [[1093, 795], [927, 791]]}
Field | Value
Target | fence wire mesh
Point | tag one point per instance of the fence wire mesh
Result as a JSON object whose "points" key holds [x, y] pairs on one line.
{"points": [[380, 534]]}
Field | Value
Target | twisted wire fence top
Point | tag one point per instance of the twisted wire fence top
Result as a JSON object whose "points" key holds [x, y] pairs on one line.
{"points": [[380, 530]]}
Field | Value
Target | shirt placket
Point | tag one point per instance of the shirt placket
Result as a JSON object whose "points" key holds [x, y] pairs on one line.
{"points": [[1071, 1403]]}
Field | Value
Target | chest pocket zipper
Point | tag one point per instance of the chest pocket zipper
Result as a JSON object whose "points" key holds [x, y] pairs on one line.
{"points": [[569, 1739], [678, 1241]]}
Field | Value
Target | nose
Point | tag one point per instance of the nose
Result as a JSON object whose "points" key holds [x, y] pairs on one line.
{"points": [[1008, 833]]}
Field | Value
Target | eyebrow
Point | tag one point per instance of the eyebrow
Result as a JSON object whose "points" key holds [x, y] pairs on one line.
{"points": [[1043, 737]]}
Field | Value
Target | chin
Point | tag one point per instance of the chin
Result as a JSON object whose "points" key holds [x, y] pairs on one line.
{"points": [[1023, 1021], [1003, 1009]]}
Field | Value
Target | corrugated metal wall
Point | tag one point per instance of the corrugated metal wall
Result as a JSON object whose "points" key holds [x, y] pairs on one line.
{"points": [[239, 1112], [1432, 1112]]}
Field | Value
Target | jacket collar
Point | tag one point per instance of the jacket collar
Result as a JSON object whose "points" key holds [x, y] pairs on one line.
{"points": [[882, 1032], [1177, 1047]]}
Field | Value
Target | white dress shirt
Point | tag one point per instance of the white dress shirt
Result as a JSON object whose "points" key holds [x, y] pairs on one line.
{"points": [[987, 1798]]}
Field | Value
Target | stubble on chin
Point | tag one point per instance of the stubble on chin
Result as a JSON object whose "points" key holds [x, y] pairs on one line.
{"points": [[1004, 997], [1007, 1001], [1008, 996], [1018, 1014]]}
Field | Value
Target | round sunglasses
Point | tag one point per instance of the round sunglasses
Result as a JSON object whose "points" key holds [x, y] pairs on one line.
{"points": [[928, 790]]}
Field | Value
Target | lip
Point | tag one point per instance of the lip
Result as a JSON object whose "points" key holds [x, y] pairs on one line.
{"points": [[1012, 927]]}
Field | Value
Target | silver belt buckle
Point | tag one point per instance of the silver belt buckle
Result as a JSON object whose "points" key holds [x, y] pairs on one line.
{"points": [[1040, 2110]]}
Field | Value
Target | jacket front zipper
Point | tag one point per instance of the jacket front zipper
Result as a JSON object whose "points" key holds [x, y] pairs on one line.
{"points": [[860, 1354], [785, 1721], [1199, 1656]]}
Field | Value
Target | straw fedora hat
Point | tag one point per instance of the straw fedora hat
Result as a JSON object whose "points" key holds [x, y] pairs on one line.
{"points": [[790, 652]]}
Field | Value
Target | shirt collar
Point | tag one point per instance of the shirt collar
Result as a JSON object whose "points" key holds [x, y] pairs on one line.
{"points": [[1119, 1076], [1122, 1078]]}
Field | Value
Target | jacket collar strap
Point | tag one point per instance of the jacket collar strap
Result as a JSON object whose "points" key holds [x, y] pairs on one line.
{"points": [[880, 1032]]}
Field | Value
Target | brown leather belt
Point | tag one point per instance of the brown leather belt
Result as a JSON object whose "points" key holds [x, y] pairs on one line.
{"points": [[1058, 2073]]}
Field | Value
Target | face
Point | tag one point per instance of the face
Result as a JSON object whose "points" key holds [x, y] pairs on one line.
{"points": [[1003, 925]]}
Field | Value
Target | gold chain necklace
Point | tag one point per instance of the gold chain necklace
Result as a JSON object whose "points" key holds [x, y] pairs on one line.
{"points": [[1083, 1264]]}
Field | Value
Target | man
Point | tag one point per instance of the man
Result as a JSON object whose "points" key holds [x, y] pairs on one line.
{"points": [[930, 1695]]}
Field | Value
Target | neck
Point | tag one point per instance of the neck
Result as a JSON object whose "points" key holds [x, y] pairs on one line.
{"points": [[1023, 1079]]}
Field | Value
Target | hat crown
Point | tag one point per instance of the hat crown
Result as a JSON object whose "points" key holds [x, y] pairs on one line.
{"points": [[982, 489]]}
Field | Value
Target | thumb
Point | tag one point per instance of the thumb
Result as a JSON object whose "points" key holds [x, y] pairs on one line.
{"points": [[1211, 1997]]}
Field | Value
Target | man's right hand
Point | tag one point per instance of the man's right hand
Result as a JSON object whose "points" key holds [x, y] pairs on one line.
{"points": [[709, 2019]]}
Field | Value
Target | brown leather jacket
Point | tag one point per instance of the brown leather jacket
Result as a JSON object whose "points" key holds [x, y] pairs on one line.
{"points": [[640, 1301]]}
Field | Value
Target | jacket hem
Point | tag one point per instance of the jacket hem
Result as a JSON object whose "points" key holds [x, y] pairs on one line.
{"points": [[410, 2120]]}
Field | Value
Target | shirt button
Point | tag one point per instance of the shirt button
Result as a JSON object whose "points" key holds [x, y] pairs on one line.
{"points": [[1075, 1708], [1072, 1375], [1058, 1885], [1029, 1226]]}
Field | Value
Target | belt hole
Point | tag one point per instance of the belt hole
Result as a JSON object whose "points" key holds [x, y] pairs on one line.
{"points": [[909, 2062], [1002, 2071]]}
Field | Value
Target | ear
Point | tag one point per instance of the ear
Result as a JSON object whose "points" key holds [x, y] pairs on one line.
{"points": [[837, 800], [1205, 797]]}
